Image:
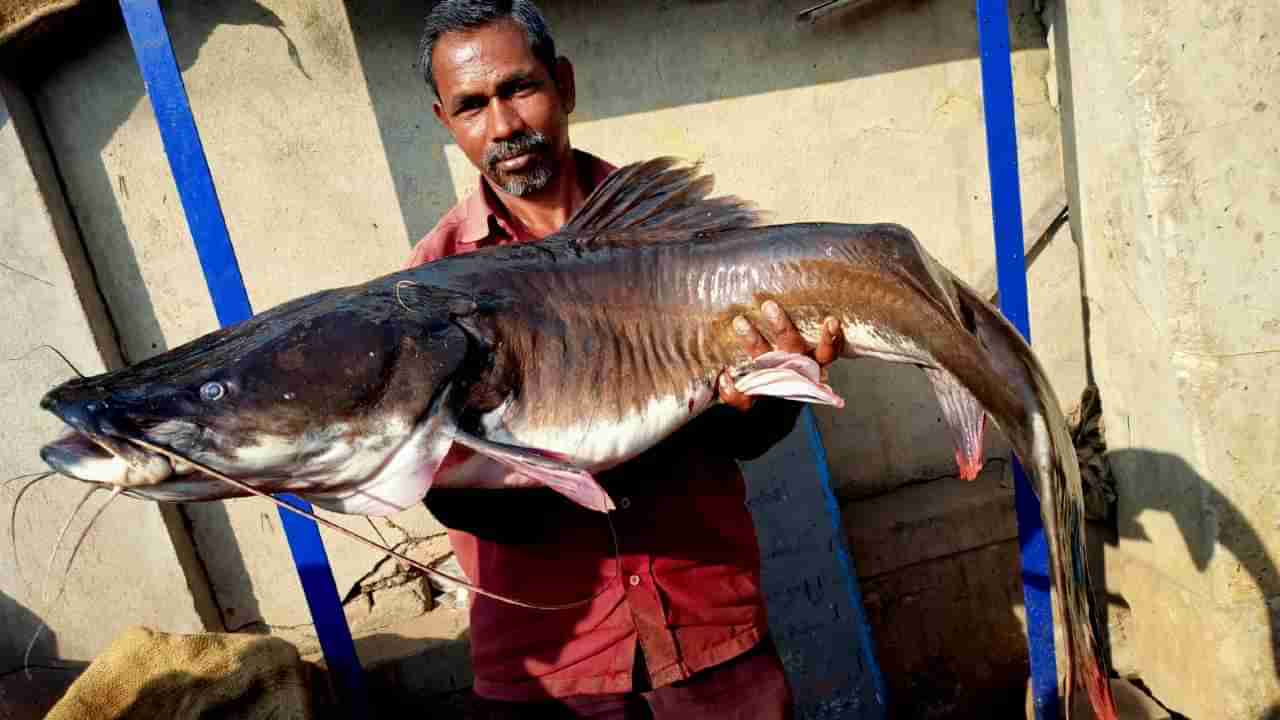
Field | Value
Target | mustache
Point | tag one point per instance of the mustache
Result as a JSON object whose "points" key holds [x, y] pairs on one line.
{"points": [[507, 149]]}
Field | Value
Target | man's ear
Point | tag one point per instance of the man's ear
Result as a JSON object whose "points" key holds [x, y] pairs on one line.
{"points": [[438, 109], [565, 83]]}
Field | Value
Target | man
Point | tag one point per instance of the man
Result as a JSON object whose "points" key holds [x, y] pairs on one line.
{"points": [[677, 627]]}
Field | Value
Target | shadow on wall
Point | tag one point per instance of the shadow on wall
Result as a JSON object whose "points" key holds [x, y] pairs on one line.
{"points": [[632, 58], [28, 691], [683, 52], [386, 38], [20, 624], [1160, 482], [397, 689], [925, 652], [95, 31]]}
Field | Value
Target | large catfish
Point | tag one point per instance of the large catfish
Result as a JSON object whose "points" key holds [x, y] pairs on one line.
{"points": [[562, 358]]}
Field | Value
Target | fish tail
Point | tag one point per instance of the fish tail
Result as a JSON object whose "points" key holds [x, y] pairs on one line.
{"points": [[1049, 454]]}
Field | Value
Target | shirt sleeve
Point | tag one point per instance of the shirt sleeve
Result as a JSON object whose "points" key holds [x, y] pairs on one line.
{"points": [[427, 249], [748, 435], [510, 517], [436, 244]]}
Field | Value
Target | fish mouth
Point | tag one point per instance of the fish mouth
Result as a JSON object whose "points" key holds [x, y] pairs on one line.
{"points": [[109, 460]]}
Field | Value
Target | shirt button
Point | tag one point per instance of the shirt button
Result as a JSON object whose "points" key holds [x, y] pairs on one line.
{"points": [[624, 503], [635, 580]]}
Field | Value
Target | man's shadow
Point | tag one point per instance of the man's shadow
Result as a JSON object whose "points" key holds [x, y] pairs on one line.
{"points": [[29, 690], [1150, 481]]}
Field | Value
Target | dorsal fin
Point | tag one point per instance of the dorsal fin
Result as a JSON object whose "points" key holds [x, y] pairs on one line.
{"points": [[654, 200]]}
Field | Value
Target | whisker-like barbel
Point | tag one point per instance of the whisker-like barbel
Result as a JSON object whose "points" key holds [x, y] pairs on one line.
{"points": [[13, 524], [66, 571], [390, 551], [24, 476], [52, 349], [57, 544], [80, 541]]}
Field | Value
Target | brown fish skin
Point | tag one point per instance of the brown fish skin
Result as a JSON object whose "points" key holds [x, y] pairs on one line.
{"points": [[590, 346], [610, 329]]}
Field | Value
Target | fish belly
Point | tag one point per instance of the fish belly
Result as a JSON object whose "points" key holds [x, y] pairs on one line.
{"points": [[598, 440]]}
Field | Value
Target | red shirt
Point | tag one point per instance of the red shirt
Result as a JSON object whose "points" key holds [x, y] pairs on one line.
{"points": [[689, 588]]}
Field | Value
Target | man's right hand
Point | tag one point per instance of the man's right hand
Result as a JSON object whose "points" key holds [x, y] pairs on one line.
{"points": [[788, 339]]}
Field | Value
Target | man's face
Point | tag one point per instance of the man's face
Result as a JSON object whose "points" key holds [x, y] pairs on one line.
{"points": [[505, 109]]}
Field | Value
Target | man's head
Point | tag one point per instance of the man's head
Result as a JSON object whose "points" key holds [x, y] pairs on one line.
{"points": [[501, 90]]}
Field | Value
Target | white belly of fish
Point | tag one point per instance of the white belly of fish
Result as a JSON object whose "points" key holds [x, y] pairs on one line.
{"points": [[597, 442]]}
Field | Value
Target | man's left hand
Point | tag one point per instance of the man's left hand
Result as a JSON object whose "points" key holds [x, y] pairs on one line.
{"points": [[788, 339]]}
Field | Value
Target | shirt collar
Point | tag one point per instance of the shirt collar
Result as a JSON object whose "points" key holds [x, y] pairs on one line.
{"points": [[483, 211]]}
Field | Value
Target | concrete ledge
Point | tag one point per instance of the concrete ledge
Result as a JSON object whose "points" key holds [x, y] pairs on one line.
{"points": [[931, 520]]}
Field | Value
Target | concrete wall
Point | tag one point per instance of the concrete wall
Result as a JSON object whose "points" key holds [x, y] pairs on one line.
{"points": [[329, 165], [1175, 193], [127, 571]]}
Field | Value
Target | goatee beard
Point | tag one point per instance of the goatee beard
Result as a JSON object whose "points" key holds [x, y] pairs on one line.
{"points": [[530, 179]]}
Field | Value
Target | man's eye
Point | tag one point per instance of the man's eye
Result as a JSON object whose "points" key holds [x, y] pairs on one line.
{"points": [[522, 89]]}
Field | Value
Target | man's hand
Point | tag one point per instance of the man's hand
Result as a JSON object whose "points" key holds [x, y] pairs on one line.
{"points": [[787, 339]]}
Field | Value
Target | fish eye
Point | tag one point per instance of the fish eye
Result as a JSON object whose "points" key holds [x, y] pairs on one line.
{"points": [[212, 391]]}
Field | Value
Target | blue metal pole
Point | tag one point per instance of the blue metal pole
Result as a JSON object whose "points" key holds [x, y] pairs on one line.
{"points": [[845, 561], [1006, 210], [194, 182]]}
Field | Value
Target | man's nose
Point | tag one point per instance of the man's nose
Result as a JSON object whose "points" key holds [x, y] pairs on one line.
{"points": [[505, 121]]}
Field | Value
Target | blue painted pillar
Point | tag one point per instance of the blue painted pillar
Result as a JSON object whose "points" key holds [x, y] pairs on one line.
{"points": [[878, 704], [191, 174], [1006, 210]]}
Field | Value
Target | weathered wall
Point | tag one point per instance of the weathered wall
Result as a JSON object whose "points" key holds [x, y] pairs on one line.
{"points": [[127, 570], [329, 164], [1172, 116]]}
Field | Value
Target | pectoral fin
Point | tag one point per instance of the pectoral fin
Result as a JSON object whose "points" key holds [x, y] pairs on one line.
{"points": [[966, 418], [574, 483], [402, 482], [788, 375]]}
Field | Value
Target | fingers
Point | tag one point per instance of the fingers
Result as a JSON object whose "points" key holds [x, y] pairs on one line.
{"points": [[786, 337], [831, 345], [751, 341], [730, 396]]}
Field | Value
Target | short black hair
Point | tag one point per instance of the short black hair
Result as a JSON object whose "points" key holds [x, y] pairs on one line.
{"points": [[461, 15]]}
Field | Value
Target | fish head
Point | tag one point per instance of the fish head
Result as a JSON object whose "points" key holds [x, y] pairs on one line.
{"points": [[325, 394]]}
